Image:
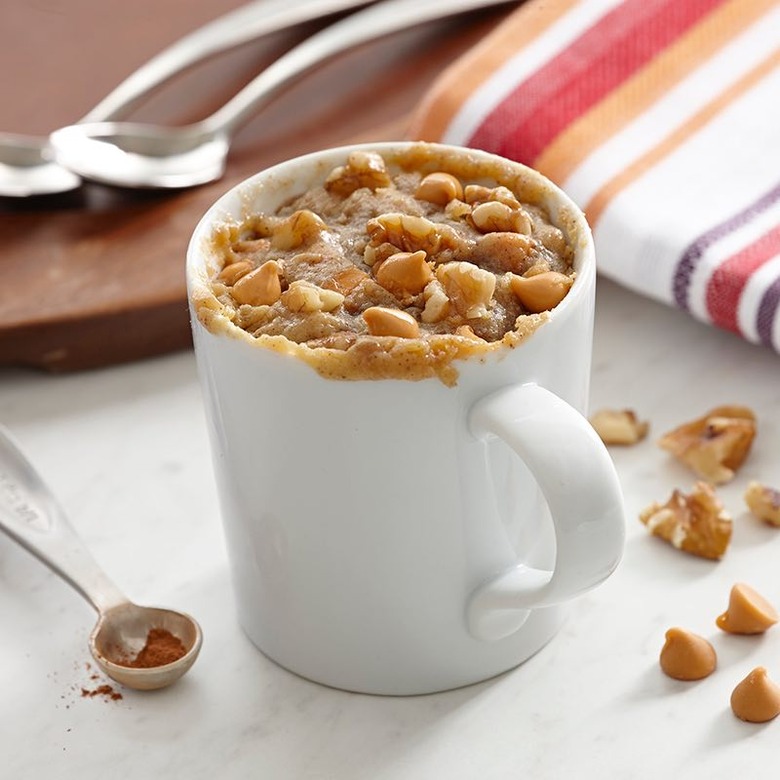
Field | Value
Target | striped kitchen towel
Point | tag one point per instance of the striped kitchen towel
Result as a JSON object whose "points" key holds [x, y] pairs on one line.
{"points": [[661, 119]]}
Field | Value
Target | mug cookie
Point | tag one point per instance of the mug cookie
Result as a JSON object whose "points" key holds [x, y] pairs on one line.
{"points": [[400, 265]]}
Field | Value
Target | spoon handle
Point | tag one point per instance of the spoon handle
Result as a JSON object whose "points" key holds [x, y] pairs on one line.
{"points": [[244, 24], [30, 514], [361, 27]]}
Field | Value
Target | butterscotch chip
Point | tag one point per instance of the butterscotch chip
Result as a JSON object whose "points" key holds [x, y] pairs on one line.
{"points": [[695, 523], [382, 321], [230, 274], [259, 287], [748, 612], [715, 445], [619, 426], [404, 273], [347, 280], [687, 656], [439, 188], [763, 502], [540, 292], [756, 699]]}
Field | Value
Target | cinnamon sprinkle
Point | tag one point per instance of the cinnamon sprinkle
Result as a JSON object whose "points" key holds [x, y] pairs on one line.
{"points": [[161, 648], [101, 690]]}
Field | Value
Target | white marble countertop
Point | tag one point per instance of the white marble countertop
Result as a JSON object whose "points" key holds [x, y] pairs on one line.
{"points": [[125, 450]]}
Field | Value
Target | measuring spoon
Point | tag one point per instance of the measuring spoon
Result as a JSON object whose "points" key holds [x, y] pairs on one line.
{"points": [[139, 155], [30, 514], [26, 166]]}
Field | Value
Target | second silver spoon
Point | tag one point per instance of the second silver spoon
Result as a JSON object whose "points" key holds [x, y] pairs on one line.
{"points": [[27, 168], [143, 155]]}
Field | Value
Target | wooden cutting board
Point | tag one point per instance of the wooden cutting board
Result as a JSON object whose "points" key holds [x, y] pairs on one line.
{"points": [[96, 277]]}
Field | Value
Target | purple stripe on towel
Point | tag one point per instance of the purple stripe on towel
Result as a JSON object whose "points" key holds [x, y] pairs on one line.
{"points": [[690, 258], [767, 313]]}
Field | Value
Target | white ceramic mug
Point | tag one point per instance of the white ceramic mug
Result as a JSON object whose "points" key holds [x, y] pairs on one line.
{"points": [[403, 537]]}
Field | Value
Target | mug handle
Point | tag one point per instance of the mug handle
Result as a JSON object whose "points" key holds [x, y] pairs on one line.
{"points": [[578, 479]]}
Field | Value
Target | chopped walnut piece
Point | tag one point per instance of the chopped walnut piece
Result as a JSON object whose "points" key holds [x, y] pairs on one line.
{"points": [[469, 287], [410, 234], [250, 317], [457, 209], [619, 426], [302, 227], [477, 193], [494, 216], [763, 502], [504, 251], [303, 296], [552, 238], [695, 523], [437, 304], [376, 254], [363, 169], [715, 445]]}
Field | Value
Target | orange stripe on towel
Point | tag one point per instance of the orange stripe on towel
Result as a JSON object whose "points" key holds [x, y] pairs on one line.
{"points": [[579, 76], [616, 185], [649, 84], [466, 74]]}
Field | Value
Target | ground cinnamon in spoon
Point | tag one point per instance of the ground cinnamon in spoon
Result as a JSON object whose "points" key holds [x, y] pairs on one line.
{"points": [[161, 648]]}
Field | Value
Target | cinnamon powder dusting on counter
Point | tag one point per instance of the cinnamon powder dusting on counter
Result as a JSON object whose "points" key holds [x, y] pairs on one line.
{"points": [[102, 690]]}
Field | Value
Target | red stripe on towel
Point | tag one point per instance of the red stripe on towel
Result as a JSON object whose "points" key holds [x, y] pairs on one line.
{"points": [[730, 278], [603, 57]]}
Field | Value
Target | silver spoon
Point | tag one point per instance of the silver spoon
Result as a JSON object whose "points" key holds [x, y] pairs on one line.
{"points": [[143, 155], [27, 167], [30, 515]]}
